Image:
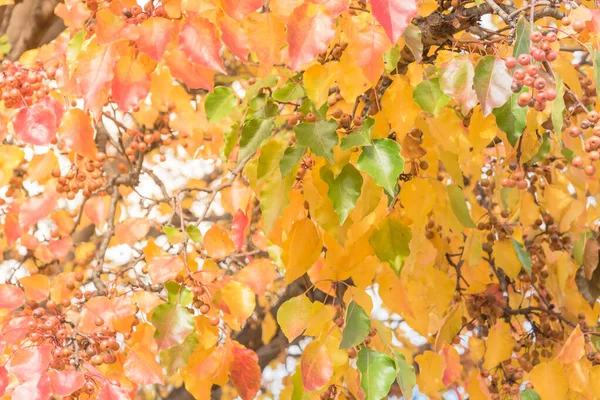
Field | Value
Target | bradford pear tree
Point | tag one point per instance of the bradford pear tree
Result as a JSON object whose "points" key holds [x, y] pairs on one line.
{"points": [[369, 198]]}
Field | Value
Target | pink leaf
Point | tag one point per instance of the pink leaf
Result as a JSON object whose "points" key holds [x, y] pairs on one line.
{"points": [[64, 383], [36, 208], [52, 104], [194, 76], [96, 209], [35, 125], [239, 9], [35, 388], [198, 39], [3, 380], [155, 35], [11, 297], [239, 227], [368, 48], [234, 37], [131, 83], [15, 329], [94, 70], [335, 7], [163, 269], [245, 372], [27, 362], [112, 392], [309, 31], [60, 248], [394, 15]]}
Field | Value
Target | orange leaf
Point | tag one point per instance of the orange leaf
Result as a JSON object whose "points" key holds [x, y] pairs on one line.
{"points": [[96, 209], [163, 269], [310, 29], [36, 287], [11, 297], [239, 9], [193, 75], [301, 249], [97, 309], [108, 26], [141, 366], [234, 37], [94, 70], [316, 366], [245, 372], [200, 30], [368, 48], [258, 275], [77, 133], [454, 368], [217, 243], [266, 39], [131, 83], [574, 347], [240, 300], [155, 36], [131, 230]]}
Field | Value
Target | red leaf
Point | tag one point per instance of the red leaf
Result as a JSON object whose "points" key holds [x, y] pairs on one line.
{"points": [[245, 372], [3, 380], [131, 83], [163, 269], [36, 208], [155, 35], [394, 15], [198, 39], [15, 329], [239, 9], [27, 362], [309, 31], [35, 125], [316, 366], [234, 37], [64, 383], [239, 227], [12, 229], [54, 105], [11, 297], [194, 76], [77, 133]]}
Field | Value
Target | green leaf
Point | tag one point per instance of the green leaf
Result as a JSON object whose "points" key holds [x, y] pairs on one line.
{"points": [[377, 373], [459, 206], [290, 92], [405, 377], [173, 322], [344, 189], [74, 46], [254, 132], [542, 151], [177, 356], [390, 240], [298, 392], [391, 58], [194, 233], [511, 119], [229, 142], [568, 154], [383, 162], [558, 106], [429, 96], [320, 137], [492, 83], [361, 137], [220, 103], [523, 255], [358, 326], [522, 41], [530, 394], [291, 156], [268, 81], [173, 234]]}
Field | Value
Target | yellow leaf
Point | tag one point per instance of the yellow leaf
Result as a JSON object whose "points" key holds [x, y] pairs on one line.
{"points": [[499, 345], [418, 198], [430, 373], [399, 96], [477, 347], [549, 381], [477, 387], [241, 301], [301, 249], [574, 347], [506, 258], [36, 287], [269, 328]]}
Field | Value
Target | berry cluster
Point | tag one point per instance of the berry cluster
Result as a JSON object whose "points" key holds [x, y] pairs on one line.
{"points": [[20, 85], [529, 76], [517, 177], [137, 15], [201, 300], [87, 179], [305, 166], [592, 143]]}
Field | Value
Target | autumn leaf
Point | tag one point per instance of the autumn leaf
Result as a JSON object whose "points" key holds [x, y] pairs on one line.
{"points": [[36, 287], [131, 83], [200, 30], [64, 383], [245, 372], [492, 83], [163, 269], [141, 366], [11, 296], [394, 15], [35, 125], [217, 243], [310, 28], [131, 230], [316, 366], [155, 36], [301, 249], [294, 315], [77, 133]]}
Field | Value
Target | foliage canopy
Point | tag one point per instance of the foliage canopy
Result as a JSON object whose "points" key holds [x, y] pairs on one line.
{"points": [[189, 189]]}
